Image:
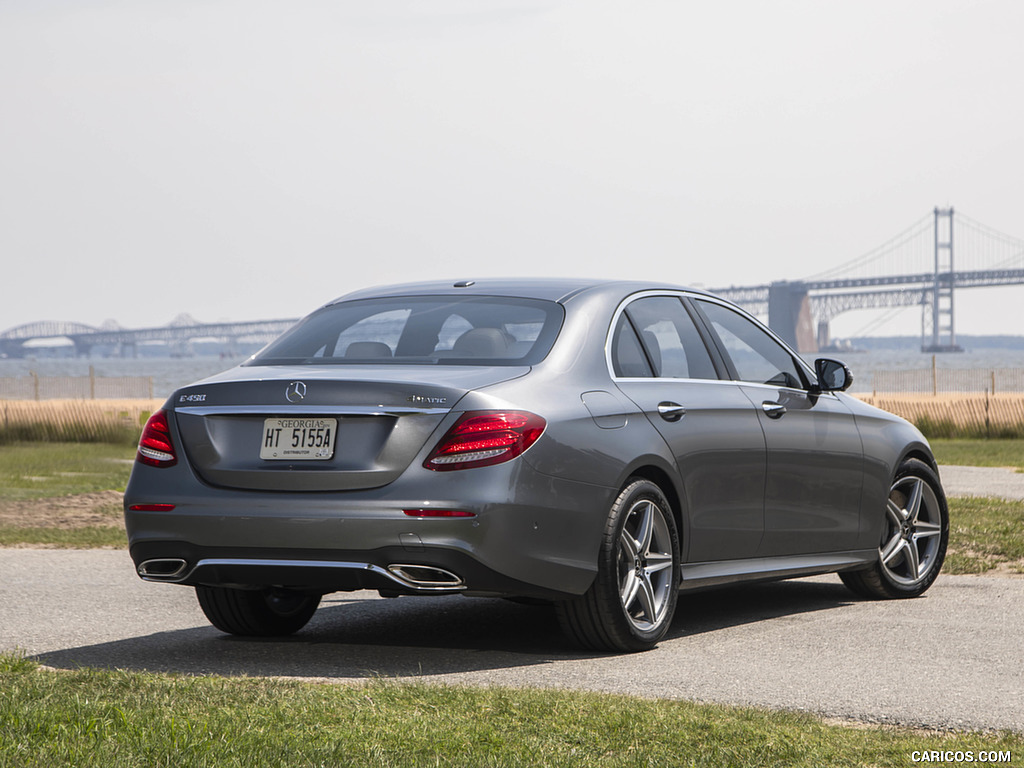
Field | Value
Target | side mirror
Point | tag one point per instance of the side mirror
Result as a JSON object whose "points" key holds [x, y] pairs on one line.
{"points": [[833, 376]]}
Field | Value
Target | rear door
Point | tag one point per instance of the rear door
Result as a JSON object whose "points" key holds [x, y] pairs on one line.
{"points": [[660, 361], [815, 455]]}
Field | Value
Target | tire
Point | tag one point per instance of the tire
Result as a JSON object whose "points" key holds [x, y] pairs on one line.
{"points": [[630, 605], [914, 537], [269, 612]]}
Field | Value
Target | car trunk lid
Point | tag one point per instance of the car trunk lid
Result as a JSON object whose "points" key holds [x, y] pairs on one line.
{"points": [[371, 421]]}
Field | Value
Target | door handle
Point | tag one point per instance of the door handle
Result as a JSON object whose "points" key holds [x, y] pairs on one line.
{"points": [[670, 411], [774, 410]]}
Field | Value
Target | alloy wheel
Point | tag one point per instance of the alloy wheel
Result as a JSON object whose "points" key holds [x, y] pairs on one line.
{"points": [[912, 536], [645, 565]]}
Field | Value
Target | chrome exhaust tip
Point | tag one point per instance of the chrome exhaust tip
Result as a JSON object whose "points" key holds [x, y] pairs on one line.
{"points": [[425, 576], [162, 569]]}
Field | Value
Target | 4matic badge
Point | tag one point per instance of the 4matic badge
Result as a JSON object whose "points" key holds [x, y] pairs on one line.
{"points": [[424, 400]]}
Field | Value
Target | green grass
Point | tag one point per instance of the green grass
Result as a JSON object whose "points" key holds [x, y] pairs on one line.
{"points": [[979, 452], [39, 470], [102, 718], [89, 537], [985, 534], [83, 432]]}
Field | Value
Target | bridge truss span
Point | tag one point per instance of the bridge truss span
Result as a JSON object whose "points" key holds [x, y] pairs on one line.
{"points": [[176, 335], [901, 278]]}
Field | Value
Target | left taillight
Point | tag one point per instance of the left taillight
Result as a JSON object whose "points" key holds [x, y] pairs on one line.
{"points": [[155, 446], [483, 438]]}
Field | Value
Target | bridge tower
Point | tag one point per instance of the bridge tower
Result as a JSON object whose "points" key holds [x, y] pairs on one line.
{"points": [[940, 299]]}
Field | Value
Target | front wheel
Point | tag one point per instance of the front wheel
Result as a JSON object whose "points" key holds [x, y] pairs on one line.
{"points": [[914, 536], [269, 612], [630, 605]]}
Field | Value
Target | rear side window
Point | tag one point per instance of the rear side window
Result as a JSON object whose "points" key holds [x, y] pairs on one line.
{"points": [[421, 330], [661, 333], [628, 358]]}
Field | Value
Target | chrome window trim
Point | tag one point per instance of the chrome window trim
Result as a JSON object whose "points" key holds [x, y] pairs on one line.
{"points": [[812, 376], [611, 332]]}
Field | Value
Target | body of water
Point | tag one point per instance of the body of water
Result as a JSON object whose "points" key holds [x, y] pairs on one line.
{"points": [[170, 373]]}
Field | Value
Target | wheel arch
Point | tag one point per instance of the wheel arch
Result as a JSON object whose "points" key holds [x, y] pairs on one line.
{"points": [[661, 478], [919, 452]]}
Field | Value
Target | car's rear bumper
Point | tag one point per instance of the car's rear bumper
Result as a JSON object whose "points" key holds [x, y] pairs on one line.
{"points": [[530, 534], [391, 570]]}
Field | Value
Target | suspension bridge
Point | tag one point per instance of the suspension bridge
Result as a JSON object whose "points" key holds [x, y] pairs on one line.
{"points": [[922, 266]]}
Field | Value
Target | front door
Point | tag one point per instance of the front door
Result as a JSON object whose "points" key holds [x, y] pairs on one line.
{"points": [[815, 455]]}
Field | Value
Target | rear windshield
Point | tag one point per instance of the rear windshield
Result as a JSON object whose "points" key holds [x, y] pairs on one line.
{"points": [[421, 330]]}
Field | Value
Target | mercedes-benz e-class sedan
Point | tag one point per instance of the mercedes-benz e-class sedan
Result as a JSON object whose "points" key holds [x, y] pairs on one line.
{"points": [[596, 445]]}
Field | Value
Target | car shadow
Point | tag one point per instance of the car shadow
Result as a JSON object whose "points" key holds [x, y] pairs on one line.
{"points": [[359, 637], [717, 609]]}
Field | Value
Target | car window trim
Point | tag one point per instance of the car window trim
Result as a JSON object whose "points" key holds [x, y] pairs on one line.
{"points": [[716, 358], [640, 343], [801, 365]]}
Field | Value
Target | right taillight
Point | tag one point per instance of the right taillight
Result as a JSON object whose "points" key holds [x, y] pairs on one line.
{"points": [[155, 446], [483, 438]]}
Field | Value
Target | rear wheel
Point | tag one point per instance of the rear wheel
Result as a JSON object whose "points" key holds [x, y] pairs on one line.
{"points": [[265, 612], [914, 537], [630, 605]]}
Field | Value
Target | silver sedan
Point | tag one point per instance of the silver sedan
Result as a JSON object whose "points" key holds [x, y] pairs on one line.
{"points": [[596, 445]]}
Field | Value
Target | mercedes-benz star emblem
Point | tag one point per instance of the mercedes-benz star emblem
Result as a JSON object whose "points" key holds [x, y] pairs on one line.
{"points": [[296, 391]]}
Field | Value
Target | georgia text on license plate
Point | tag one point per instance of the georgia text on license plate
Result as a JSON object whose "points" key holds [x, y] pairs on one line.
{"points": [[302, 439]]}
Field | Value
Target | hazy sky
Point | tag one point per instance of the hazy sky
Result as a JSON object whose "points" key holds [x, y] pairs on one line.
{"points": [[245, 159]]}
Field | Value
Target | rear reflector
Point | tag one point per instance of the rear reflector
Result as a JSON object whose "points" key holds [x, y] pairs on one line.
{"points": [[483, 438], [438, 513], [151, 507], [155, 446]]}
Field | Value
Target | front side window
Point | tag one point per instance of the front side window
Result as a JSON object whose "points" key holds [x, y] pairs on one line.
{"points": [[420, 330], [756, 356]]}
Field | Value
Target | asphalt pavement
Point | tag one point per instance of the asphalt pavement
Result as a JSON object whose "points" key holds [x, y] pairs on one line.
{"points": [[1000, 482], [950, 659]]}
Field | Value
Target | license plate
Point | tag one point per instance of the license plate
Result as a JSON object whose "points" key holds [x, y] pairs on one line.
{"points": [[298, 439]]}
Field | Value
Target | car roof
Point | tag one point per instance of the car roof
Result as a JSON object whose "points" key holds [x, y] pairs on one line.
{"points": [[549, 288]]}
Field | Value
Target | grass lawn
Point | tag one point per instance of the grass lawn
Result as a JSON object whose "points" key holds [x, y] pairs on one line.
{"points": [[100, 718], [39, 470], [979, 453]]}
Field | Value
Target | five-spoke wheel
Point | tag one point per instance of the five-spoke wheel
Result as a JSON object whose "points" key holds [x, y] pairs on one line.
{"points": [[645, 565], [913, 540], [630, 605]]}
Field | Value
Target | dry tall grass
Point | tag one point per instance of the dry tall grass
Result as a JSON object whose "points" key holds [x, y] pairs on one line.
{"points": [[103, 421], [83, 421], [957, 415]]}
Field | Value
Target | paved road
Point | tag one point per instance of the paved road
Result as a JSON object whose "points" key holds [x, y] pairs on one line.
{"points": [[950, 659], [983, 481]]}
